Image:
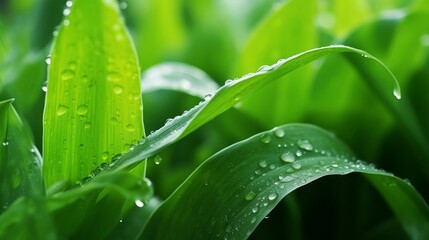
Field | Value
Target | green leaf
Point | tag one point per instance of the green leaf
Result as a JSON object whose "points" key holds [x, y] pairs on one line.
{"points": [[226, 97], [93, 105], [20, 161], [179, 77], [240, 185]]}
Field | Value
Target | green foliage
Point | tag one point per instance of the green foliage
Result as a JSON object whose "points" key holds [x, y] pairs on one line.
{"points": [[299, 61]]}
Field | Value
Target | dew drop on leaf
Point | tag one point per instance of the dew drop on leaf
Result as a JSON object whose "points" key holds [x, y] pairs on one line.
{"points": [[139, 203], [157, 159], [62, 109], [279, 133], [67, 75], [130, 128], [305, 144], [272, 196], [82, 110], [287, 157], [87, 125], [263, 164], [255, 209], [265, 138], [250, 196], [296, 165], [117, 89]]}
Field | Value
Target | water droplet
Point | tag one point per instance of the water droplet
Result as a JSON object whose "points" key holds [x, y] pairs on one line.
{"points": [[66, 23], [288, 179], [139, 203], [114, 120], [62, 109], [117, 89], [263, 164], [69, 3], [5, 143], [253, 220], [255, 209], [66, 12], [45, 86], [305, 144], [365, 55], [87, 125], [157, 159], [272, 166], [67, 75], [298, 153], [397, 92], [82, 110], [272, 196], [296, 165], [207, 97], [265, 138], [48, 60], [287, 157], [279, 133], [250, 196], [264, 68], [130, 128], [258, 172], [105, 155]]}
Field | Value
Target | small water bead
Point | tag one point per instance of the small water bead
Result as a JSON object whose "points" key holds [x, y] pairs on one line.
{"points": [[123, 5], [279, 133], [139, 203], [105, 155], [253, 220], [258, 172], [287, 179], [298, 153], [157, 159], [263, 164], [67, 74], [296, 165], [62, 109], [5, 143], [82, 110], [48, 60], [255, 209], [113, 76], [305, 144], [287, 157], [397, 92], [250, 196], [69, 3], [272, 196], [66, 12], [265, 138], [66, 22], [272, 166]]}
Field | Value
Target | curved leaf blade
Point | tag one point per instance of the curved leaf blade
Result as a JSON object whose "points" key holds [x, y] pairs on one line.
{"points": [[226, 97], [229, 194], [93, 104]]}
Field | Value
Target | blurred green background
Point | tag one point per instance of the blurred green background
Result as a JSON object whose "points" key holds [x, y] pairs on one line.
{"points": [[227, 39]]}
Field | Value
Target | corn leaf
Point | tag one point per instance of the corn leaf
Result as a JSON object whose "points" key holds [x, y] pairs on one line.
{"points": [[93, 105], [20, 161], [232, 192]]}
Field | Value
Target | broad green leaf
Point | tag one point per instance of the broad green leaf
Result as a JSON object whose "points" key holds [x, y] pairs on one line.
{"points": [[226, 97], [20, 161], [232, 192], [93, 105], [179, 77], [279, 36]]}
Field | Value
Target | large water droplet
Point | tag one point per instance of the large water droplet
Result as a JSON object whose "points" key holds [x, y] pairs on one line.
{"points": [[272, 196], [279, 133], [305, 144], [397, 92], [62, 109], [157, 159], [67, 75], [82, 110], [287, 157], [250, 196], [265, 138]]}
